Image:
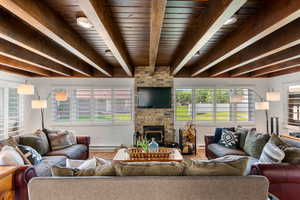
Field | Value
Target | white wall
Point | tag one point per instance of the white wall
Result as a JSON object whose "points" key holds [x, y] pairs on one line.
{"points": [[279, 109], [102, 135], [259, 85]]}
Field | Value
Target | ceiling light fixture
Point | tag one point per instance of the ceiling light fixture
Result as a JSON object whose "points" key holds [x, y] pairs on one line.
{"points": [[231, 20], [84, 22], [108, 52]]}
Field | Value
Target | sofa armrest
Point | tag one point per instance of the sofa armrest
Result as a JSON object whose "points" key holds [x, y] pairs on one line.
{"points": [[86, 140], [278, 173], [209, 139], [22, 176]]}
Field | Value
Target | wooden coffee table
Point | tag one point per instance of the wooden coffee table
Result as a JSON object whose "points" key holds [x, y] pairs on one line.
{"points": [[123, 156]]}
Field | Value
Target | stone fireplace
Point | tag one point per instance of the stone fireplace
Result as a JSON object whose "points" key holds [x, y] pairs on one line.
{"points": [[149, 117]]}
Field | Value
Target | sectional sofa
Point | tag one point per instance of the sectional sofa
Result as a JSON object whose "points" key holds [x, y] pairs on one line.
{"points": [[284, 178]]}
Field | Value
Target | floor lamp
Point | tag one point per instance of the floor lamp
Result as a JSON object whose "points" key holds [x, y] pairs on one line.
{"points": [[262, 104]]}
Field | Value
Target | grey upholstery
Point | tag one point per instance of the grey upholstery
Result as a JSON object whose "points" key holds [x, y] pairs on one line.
{"points": [[72, 152], [293, 143], [221, 151], [150, 188], [44, 167]]}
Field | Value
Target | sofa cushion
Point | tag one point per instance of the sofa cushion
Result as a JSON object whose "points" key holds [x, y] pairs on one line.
{"points": [[63, 171], [271, 154], [38, 141], [73, 152], [61, 139], [149, 169], [221, 151], [229, 139], [218, 133], [255, 143], [44, 167], [292, 155], [31, 154], [224, 166], [243, 132]]}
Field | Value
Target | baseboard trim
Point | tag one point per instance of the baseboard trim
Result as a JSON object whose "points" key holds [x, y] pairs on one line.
{"points": [[103, 148]]}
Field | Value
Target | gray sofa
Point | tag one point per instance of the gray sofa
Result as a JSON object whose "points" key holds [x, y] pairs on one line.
{"points": [[150, 188]]}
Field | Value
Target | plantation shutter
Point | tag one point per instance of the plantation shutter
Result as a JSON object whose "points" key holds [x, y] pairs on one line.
{"points": [[15, 113], [204, 104], [222, 104], [83, 104], [2, 113], [244, 111], [294, 106], [122, 104], [61, 110], [103, 104], [184, 105]]}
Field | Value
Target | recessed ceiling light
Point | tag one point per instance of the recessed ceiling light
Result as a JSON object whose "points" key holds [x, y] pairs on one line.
{"points": [[198, 53], [231, 20], [84, 22], [108, 52]]}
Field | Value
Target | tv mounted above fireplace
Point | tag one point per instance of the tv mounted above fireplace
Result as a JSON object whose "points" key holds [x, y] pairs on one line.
{"points": [[154, 97]]}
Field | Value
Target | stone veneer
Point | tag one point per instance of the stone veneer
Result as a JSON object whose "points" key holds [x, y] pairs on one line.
{"points": [[152, 117]]}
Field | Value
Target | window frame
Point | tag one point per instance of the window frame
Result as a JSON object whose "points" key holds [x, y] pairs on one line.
{"points": [[214, 121], [74, 122]]}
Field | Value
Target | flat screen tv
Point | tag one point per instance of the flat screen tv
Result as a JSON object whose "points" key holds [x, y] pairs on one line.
{"points": [[154, 97]]}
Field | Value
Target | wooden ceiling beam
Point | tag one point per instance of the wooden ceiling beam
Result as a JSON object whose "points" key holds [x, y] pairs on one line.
{"points": [[285, 71], [277, 67], [100, 17], [18, 53], [19, 34], [282, 39], [277, 58], [44, 19], [212, 19], [6, 61], [15, 71], [158, 8], [274, 15]]}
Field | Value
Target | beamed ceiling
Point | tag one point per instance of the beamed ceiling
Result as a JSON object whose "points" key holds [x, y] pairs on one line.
{"points": [[41, 38]]}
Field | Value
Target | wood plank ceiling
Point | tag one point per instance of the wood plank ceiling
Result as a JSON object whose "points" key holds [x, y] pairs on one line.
{"points": [[42, 38]]}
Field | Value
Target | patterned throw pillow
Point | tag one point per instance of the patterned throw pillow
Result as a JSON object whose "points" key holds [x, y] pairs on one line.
{"points": [[32, 155], [271, 154], [218, 133], [229, 139], [61, 139]]}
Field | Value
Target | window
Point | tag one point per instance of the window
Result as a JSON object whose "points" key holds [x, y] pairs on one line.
{"points": [[96, 105], [294, 105], [11, 112], [213, 105]]}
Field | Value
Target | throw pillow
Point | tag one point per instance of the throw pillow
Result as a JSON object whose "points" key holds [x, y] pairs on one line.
{"points": [[292, 155], [243, 132], [32, 155], [224, 166], [38, 141], [218, 133], [60, 140], [271, 154], [70, 163], [255, 143], [229, 139], [63, 171], [149, 169], [9, 156], [275, 139]]}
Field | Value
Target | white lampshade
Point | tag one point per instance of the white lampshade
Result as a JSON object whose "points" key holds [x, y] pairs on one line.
{"points": [[236, 99], [264, 105], [38, 104], [273, 96], [61, 96], [25, 89]]}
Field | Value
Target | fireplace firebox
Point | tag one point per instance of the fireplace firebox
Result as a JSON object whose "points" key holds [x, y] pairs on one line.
{"points": [[157, 132]]}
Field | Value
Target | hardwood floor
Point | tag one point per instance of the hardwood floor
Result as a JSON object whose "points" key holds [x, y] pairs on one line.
{"points": [[109, 155]]}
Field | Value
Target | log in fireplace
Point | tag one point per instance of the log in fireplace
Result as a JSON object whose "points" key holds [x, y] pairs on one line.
{"points": [[157, 132]]}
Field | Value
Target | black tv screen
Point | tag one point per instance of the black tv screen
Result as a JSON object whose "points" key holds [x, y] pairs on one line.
{"points": [[154, 97]]}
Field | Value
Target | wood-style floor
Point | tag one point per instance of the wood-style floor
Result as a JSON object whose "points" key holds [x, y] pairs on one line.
{"points": [[110, 155]]}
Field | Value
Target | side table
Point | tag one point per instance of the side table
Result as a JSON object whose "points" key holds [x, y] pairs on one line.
{"points": [[6, 182]]}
